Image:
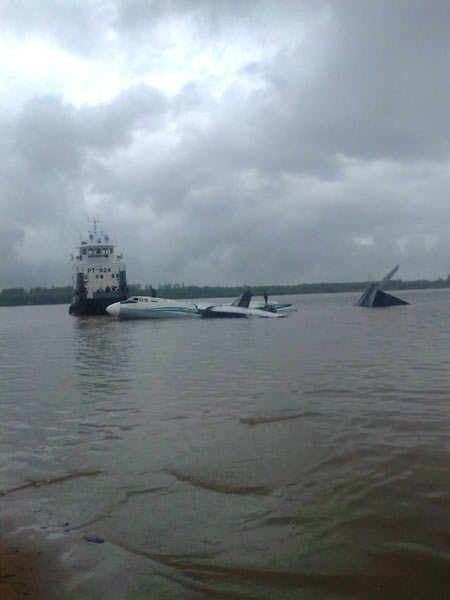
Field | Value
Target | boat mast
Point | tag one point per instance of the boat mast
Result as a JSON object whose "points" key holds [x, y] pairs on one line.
{"points": [[95, 220]]}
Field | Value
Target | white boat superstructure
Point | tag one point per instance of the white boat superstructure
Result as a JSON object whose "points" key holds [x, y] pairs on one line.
{"points": [[99, 276]]}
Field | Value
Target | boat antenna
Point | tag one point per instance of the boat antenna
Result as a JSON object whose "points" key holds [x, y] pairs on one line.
{"points": [[95, 220]]}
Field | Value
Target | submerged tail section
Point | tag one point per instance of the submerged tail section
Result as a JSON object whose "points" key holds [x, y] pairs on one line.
{"points": [[386, 279], [374, 296], [368, 296], [384, 299]]}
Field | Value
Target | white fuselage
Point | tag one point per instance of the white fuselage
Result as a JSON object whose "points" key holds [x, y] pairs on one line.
{"points": [[146, 307]]}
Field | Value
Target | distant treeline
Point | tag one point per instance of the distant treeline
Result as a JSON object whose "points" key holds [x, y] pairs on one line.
{"points": [[37, 295], [181, 291], [63, 295]]}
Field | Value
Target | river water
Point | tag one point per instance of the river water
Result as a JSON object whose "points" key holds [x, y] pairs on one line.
{"points": [[303, 458]]}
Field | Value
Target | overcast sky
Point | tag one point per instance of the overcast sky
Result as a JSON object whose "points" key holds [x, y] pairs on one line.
{"points": [[226, 141]]}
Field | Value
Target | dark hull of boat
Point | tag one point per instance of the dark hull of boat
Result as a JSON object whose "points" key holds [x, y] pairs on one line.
{"points": [[96, 306], [81, 305]]}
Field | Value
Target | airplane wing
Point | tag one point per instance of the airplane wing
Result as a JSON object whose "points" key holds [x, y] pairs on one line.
{"points": [[243, 300], [239, 308], [229, 311]]}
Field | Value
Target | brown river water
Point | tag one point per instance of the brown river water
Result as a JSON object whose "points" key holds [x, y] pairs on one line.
{"points": [[300, 458]]}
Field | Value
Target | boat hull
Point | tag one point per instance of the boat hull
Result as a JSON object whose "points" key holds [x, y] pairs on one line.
{"points": [[94, 306]]}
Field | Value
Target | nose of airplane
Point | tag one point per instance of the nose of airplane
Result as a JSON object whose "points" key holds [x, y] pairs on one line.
{"points": [[114, 309]]}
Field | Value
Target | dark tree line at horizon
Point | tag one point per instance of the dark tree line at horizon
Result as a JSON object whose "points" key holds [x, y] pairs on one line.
{"points": [[20, 296]]}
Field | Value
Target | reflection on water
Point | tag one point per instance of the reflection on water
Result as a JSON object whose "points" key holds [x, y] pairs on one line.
{"points": [[100, 358], [305, 457]]}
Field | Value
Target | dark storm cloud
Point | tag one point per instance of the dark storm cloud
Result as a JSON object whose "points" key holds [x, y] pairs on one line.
{"points": [[379, 92], [51, 151], [50, 144], [325, 156], [382, 90]]}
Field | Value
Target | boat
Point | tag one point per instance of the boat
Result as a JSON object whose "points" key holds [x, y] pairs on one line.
{"points": [[150, 307], [98, 274], [374, 296]]}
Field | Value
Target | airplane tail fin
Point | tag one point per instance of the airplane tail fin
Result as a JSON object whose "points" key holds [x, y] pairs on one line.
{"points": [[243, 300], [375, 296], [387, 278]]}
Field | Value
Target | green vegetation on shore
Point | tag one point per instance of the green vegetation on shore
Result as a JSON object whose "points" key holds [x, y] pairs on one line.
{"points": [[37, 295], [62, 295]]}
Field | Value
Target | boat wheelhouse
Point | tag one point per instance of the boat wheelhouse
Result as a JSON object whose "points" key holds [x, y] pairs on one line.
{"points": [[98, 274]]}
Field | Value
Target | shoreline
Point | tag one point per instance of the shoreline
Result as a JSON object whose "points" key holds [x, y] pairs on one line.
{"points": [[22, 297]]}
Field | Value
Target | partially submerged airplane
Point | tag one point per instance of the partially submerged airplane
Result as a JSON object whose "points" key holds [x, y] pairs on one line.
{"points": [[374, 295], [240, 308], [150, 307]]}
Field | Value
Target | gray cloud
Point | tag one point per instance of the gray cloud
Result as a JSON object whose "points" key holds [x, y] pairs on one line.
{"points": [[316, 148], [78, 26]]}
